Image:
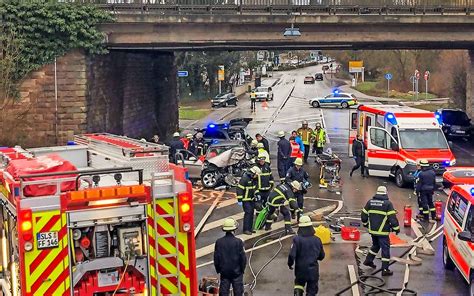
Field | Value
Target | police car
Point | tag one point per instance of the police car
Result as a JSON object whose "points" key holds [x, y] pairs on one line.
{"points": [[336, 98], [458, 239]]}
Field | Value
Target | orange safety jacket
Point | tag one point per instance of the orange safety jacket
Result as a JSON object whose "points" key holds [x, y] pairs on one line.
{"points": [[295, 150]]}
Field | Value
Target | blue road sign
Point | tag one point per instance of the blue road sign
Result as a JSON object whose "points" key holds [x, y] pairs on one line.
{"points": [[183, 73], [388, 76]]}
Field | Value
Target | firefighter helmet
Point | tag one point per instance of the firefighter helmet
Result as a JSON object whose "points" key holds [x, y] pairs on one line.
{"points": [[424, 163], [254, 143], [281, 134], [230, 224], [296, 185], [299, 161], [381, 190], [260, 145], [305, 221], [176, 134], [255, 170], [261, 156], [304, 122], [189, 136]]}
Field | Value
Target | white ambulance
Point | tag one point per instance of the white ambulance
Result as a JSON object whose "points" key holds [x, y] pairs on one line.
{"points": [[458, 239], [396, 138]]}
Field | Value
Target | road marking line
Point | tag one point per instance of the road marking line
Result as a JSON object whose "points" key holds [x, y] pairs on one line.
{"points": [[226, 203], [257, 247], [197, 230], [353, 278]]}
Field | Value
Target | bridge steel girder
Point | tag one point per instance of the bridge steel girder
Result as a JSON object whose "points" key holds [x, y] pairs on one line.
{"points": [[246, 32]]}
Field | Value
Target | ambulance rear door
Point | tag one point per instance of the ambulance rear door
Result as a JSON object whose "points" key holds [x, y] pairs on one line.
{"points": [[381, 154], [353, 120]]}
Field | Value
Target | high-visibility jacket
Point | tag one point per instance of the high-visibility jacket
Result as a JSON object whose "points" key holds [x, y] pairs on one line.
{"points": [[306, 134], [265, 179], [264, 152], [319, 137], [379, 216], [295, 150], [246, 188], [253, 96], [280, 194]]}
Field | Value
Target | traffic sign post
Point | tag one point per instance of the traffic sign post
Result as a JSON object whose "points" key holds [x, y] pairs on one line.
{"points": [[389, 77], [427, 77]]}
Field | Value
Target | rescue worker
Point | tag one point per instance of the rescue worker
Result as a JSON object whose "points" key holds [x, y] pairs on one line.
{"points": [[319, 136], [306, 250], [295, 150], [198, 145], [380, 218], [253, 101], [425, 188], [416, 175], [261, 139], [262, 151], [246, 196], [276, 200], [187, 140], [283, 155], [358, 152], [253, 151], [175, 145], [230, 260], [306, 134], [298, 140], [264, 182], [297, 173]]}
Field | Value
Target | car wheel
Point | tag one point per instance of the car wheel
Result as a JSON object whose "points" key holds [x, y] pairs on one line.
{"points": [[345, 105], [447, 261], [399, 179], [209, 179], [315, 104]]}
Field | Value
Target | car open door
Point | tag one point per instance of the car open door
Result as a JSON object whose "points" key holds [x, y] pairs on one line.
{"points": [[352, 129], [382, 152], [188, 160]]}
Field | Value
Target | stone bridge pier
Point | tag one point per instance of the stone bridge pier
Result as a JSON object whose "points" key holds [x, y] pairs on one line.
{"points": [[132, 93], [470, 86]]}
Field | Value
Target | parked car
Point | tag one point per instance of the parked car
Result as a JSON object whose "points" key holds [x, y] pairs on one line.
{"points": [[264, 93], [309, 79], [455, 123], [337, 99], [319, 77], [224, 100]]}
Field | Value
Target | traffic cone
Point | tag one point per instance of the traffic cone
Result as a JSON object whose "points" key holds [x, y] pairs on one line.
{"points": [[264, 105]]}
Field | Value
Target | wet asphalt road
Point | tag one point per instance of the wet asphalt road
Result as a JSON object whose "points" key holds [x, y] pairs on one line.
{"points": [[286, 112]]}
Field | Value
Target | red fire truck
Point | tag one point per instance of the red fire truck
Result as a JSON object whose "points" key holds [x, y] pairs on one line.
{"points": [[106, 216], [397, 137]]}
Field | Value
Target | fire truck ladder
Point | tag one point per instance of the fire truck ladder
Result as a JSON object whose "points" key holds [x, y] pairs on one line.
{"points": [[166, 194], [120, 146]]}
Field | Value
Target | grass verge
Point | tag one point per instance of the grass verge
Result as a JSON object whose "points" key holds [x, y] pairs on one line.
{"points": [[371, 88]]}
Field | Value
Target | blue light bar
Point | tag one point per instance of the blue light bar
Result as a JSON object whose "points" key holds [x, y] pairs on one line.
{"points": [[390, 117], [472, 191], [211, 125], [438, 117]]}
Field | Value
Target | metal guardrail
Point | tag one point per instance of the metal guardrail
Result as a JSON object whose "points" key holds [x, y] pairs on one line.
{"points": [[331, 7]]}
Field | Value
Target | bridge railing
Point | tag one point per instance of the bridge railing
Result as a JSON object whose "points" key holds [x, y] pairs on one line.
{"points": [[382, 7]]}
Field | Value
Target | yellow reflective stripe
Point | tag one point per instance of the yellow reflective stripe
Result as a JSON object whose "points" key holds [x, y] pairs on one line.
{"points": [[396, 228], [386, 259], [272, 203], [241, 186], [382, 225], [365, 211], [287, 222], [299, 287], [391, 213], [372, 252], [377, 212], [378, 232]]}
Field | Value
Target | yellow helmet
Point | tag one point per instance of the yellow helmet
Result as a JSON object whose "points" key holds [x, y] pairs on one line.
{"points": [[230, 224], [255, 170], [299, 161], [305, 221]]}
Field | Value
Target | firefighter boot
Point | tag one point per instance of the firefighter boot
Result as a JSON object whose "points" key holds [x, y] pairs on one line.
{"points": [[268, 226], [387, 272], [288, 229], [298, 292]]}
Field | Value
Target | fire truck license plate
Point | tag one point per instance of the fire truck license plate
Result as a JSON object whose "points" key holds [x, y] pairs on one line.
{"points": [[47, 240]]}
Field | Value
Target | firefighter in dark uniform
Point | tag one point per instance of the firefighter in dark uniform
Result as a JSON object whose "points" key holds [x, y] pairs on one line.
{"points": [[278, 196], [264, 182], [381, 218], [284, 154], [246, 196], [297, 173], [230, 260], [425, 187], [198, 145], [305, 253], [175, 145]]}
